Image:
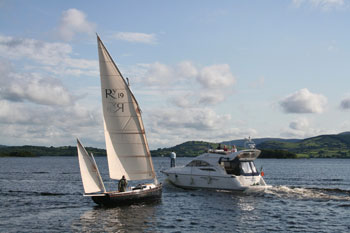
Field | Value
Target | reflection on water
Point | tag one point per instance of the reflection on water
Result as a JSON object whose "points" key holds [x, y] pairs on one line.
{"points": [[135, 218]]}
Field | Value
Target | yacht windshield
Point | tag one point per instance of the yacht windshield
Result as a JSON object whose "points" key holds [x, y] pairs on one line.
{"points": [[238, 168], [248, 168]]}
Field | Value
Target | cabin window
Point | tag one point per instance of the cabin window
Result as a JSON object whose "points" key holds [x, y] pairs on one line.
{"points": [[207, 169], [231, 167], [198, 163]]}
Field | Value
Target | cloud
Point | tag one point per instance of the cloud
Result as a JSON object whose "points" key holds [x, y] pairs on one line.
{"points": [[55, 58], [216, 76], [191, 85], [300, 128], [322, 4], [303, 101], [136, 37], [211, 98], [48, 125], [74, 22], [345, 104], [159, 74], [181, 124], [33, 88], [299, 124], [42, 52], [39, 110], [186, 69]]}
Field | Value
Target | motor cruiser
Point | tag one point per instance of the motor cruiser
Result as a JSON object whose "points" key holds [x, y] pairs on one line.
{"points": [[220, 169]]}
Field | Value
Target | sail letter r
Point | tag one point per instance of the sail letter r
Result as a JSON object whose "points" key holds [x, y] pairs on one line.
{"points": [[110, 92]]}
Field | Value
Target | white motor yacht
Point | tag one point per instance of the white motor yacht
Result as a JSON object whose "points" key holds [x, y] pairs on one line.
{"points": [[220, 169]]}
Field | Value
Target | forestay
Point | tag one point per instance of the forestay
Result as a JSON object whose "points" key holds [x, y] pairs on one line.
{"points": [[127, 149], [90, 175]]}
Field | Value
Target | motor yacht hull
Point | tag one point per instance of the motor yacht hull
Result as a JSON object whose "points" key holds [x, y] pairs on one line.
{"points": [[224, 182], [150, 193]]}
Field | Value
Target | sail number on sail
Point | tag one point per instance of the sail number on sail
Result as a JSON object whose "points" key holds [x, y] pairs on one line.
{"points": [[114, 94]]}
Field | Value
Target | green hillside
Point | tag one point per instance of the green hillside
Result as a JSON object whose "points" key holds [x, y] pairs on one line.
{"points": [[33, 151], [195, 148], [323, 146], [186, 149]]}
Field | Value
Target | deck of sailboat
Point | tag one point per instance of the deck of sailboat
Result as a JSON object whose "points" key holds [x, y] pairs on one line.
{"points": [[134, 191], [116, 198]]}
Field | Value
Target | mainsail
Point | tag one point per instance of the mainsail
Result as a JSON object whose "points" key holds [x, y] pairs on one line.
{"points": [[90, 175], [127, 148]]}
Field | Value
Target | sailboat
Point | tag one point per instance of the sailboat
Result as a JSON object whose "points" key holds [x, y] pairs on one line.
{"points": [[127, 148]]}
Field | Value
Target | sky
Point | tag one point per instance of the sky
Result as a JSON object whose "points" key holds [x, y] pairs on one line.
{"points": [[200, 70]]}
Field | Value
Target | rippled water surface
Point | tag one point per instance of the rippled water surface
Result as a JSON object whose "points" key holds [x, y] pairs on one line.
{"points": [[45, 195]]}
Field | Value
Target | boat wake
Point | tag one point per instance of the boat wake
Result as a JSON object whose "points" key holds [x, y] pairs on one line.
{"points": [[303, 193], [33, 193]]}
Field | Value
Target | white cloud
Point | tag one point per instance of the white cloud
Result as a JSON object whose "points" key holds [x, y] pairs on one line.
{"points": [[186, 69], [182, 100], [322, 4], [39, 110], [74, 22], [182, 124], [52, 57], [37, 124], [300, 128], [299, 124], [32, 87], [42, 52], [159, 74], [303, 101], [345, 104], [195, 86], [136, 37], [216, 76], [211, 98]]}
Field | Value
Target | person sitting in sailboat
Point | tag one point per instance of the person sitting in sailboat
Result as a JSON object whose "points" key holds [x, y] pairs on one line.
{"points": [[122, 184]]}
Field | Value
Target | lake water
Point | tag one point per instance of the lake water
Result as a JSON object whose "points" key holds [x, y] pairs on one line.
{"points": [[45, 195]]}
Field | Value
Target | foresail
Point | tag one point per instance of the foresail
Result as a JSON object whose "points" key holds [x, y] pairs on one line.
{"points": [[127, 148], [90, 175]]}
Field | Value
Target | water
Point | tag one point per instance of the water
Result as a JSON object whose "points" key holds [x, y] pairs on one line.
{"points": [[44, 195]]}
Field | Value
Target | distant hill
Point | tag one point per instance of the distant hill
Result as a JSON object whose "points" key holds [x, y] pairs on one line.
{"points": [[186, 149], [33, 151], [240, 142], [323, 146], [345, 133]]}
